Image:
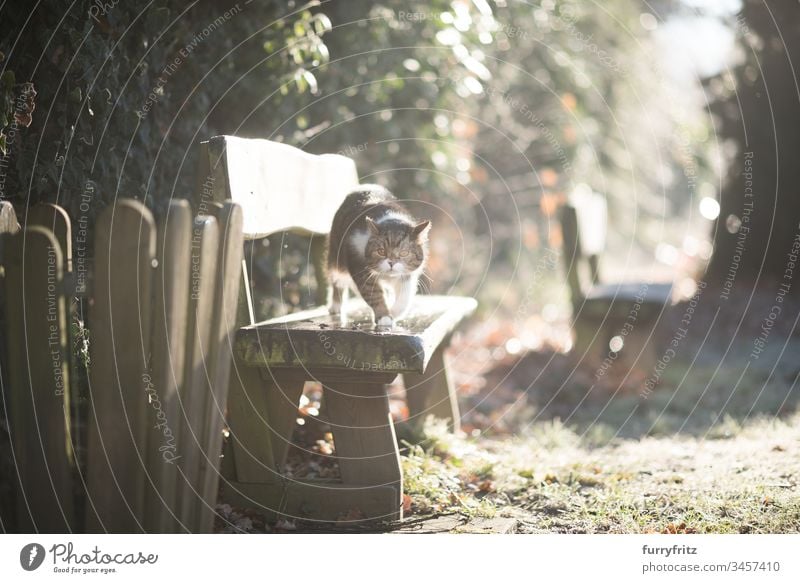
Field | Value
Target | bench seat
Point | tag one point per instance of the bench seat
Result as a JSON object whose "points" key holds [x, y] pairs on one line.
{"points": [[315, 340], [614, 300]]}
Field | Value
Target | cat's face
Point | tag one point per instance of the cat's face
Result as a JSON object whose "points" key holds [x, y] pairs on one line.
{"points": [[396, 249]]}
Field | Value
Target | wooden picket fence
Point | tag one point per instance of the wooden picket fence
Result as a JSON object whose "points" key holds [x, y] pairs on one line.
{"points": [[161, 313]]}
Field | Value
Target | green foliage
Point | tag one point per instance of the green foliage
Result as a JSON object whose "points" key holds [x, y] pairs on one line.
{"points": [[125, 94], [80, 342]]}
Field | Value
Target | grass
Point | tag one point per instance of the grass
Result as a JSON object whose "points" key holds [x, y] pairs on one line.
{"points": [[551, 480], [713, 449]]}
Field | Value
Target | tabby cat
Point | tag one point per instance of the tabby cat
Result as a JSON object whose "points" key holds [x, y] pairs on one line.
{"points": [[377, 247]]}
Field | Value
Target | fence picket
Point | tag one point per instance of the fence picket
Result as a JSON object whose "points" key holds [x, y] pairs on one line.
{"points": [[39, 381], [171, 291], [55, 218], [125, 244], [224, 324], [205, 243]]}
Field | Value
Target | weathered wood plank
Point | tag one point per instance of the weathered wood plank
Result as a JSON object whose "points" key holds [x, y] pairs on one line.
{"points": [[125, 245], [313, 339], [56, 219], [39, 381], [279, 187], [170, 306], [223, 326], [433, 393], [204, 256]]}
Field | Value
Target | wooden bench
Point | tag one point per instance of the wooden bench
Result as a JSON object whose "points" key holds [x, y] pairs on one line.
{"points": [[282, 188], [625, 312]]}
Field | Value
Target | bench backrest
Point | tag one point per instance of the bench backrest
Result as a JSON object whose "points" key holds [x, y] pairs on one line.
{"points": [[584, 224], [280, 188]]}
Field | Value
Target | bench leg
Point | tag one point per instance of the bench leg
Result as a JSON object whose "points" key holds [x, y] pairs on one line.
{"points": [[262, 413], [366, 445], [433, 393]]}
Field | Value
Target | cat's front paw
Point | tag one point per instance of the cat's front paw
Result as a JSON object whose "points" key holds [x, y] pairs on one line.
{"points": [[384, 324], [337, 314]]}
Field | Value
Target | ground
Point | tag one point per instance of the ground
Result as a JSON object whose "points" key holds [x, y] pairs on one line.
{"points": [[550, 480], [547, 446]]}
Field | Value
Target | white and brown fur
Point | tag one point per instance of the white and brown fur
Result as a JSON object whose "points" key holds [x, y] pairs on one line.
{"points": [[377, 247]]}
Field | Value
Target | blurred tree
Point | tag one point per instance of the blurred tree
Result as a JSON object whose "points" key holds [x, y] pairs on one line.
{"points": [[578, 99], [758, 111], [491, 113]]}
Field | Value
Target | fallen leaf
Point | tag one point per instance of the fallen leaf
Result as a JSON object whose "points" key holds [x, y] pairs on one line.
{"points": [[681, 528]]}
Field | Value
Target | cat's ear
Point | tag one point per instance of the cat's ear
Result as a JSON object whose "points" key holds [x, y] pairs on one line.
{"points": [[373, 228], [421, 230]]}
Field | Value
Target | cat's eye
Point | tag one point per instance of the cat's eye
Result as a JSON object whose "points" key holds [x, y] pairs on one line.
{"points": [[404, 253], [382, 252]]}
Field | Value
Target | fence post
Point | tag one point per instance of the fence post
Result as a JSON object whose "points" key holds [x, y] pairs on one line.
{"points": [[125, 244], [8, 226]]}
